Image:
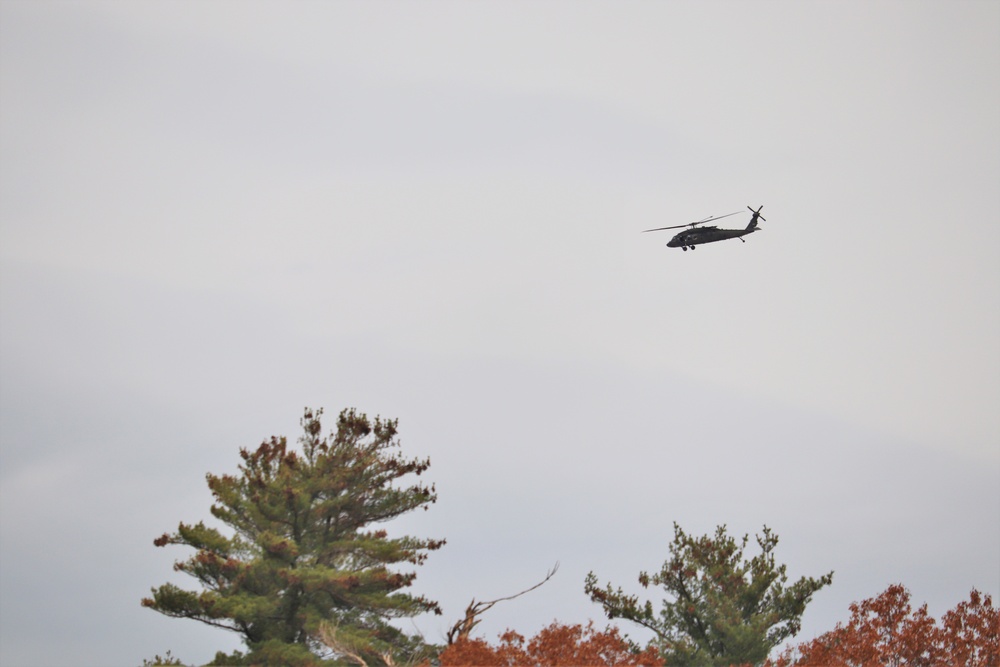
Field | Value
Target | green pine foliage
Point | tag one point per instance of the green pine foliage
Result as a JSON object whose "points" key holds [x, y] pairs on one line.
{"points": [[724, 609], [167, 660], [302, 551]]}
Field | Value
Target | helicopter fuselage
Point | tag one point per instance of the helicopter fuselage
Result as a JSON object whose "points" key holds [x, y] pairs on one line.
{"points": [[699, 235]]}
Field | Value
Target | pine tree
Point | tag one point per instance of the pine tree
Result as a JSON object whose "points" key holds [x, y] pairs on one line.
{"points": [[302, 554], [725, 610]]}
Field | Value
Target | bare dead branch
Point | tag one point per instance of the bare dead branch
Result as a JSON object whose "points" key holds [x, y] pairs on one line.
{"points": [[463, 628]]}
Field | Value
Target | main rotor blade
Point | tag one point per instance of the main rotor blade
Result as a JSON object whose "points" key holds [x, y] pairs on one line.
{"points": [[690, 224], [710, 218], [660, 229]]}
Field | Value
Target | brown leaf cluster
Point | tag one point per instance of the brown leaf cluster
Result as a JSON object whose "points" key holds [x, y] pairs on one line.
{"points": [[557, 645], [886, 630]]}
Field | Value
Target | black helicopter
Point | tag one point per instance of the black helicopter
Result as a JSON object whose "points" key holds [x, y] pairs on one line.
{"points": [[689, 238]]}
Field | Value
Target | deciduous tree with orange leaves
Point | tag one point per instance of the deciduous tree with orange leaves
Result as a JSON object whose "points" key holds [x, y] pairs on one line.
{"points": [[554, 646], [886, 630]]}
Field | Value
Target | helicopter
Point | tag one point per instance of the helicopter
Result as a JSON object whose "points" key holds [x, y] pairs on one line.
{"points": [[690, 238]]}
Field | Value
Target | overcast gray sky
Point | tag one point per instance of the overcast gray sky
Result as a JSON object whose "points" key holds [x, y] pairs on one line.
{"points": [[215, 214]]}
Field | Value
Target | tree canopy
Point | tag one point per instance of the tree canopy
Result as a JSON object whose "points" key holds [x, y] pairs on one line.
{"points": [[304, 573], [302, 554], [554, 646], [725, 609], [886, 630]]}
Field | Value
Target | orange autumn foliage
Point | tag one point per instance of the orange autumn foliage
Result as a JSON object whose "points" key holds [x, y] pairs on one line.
{"points": [[885, 630], [554, 646]]}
